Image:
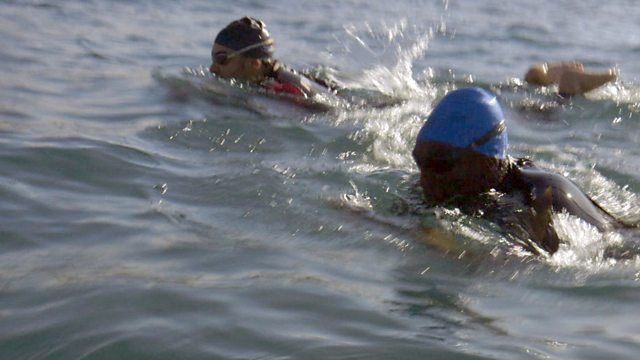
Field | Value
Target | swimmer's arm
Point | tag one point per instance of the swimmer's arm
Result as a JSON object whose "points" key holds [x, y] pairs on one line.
{"points": [[542, 231], [550, 73], [555, 71], [578, 83]]}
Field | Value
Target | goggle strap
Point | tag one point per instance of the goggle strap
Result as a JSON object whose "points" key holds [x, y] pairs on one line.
{"points": [[250, 47], [497, 130]]}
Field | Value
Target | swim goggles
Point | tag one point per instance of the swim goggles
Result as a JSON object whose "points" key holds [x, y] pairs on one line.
{"points": [[223, 59]]}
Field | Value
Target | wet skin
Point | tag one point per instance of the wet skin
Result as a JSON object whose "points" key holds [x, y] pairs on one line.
{"points": [[566, 196], [447, 171], [237, 67]]}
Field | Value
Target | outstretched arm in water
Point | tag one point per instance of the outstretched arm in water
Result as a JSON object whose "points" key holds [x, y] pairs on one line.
{"points": [[577, 83], [570, 77]]}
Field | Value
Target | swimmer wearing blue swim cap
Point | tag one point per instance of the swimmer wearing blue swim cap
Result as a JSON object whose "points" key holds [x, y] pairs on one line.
{"points": [[462, 154], [461, 150], [468, 119]]}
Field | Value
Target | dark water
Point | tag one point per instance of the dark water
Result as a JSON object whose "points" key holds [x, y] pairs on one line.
{"points": [[150, 211]]}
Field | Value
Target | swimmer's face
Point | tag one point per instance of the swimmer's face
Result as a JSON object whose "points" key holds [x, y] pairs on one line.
{"points": [[447, 171], [234, 67]]}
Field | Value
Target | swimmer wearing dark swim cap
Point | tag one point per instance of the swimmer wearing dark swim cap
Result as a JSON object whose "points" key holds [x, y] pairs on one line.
{"points": [[240, 49], [244, 49], [462, 154]]}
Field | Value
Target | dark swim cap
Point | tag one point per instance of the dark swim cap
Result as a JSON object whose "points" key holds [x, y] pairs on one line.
{"points": [[246, 32], [468, 118]]}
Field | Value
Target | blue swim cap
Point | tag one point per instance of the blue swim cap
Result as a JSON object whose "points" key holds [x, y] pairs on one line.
{"points": [[468, 118]]}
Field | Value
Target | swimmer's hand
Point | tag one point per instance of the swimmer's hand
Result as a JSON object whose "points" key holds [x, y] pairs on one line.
{"points": [[541, 222]]}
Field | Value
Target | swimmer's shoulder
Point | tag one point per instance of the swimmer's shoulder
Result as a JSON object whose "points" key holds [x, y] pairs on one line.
{"points": [[566, 196], [285, 79]]}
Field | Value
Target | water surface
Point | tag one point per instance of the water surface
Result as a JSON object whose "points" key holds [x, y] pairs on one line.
{"points": [[150, 211]]}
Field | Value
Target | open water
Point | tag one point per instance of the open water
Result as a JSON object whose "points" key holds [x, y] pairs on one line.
{"points": [[151, 211]]}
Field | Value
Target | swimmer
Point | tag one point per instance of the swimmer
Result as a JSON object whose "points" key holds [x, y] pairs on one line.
{"points": [[243, 50], [570, 77], [461, 152]]}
